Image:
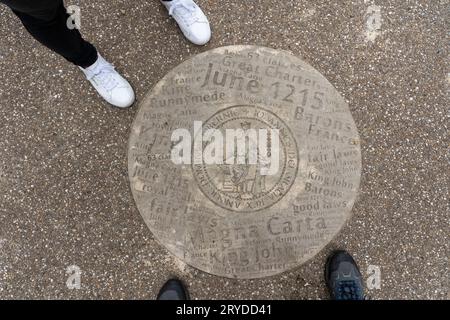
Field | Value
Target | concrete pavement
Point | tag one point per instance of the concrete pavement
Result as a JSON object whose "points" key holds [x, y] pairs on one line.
{"points": [[64, 190]]}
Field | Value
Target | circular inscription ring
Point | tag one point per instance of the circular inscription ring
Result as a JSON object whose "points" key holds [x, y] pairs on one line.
{"points": [[241, 187], [244, 161]]}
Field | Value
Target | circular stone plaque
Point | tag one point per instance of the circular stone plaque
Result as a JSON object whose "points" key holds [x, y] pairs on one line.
{"points": [[220, 204]]}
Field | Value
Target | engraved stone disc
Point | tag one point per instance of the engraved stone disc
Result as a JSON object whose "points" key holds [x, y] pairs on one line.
{"points": [[228, 218]]}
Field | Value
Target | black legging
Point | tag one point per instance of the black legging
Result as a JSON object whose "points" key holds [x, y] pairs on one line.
{"points": [[46, 21]]}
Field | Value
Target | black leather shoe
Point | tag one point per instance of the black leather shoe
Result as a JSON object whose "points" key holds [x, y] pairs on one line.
{"points": [[343, 277], [173, 289]]}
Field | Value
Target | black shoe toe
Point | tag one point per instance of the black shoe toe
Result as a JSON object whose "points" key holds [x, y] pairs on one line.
{"points": [[173, 289]]}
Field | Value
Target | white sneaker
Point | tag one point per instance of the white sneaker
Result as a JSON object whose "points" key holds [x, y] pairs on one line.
{"points": [[109, 83], [191, 20]]}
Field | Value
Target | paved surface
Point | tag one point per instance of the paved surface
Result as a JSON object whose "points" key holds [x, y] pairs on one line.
{"points": [[64, 190]]}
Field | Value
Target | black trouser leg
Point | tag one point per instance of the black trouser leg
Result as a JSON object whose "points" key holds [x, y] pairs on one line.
{"points": [[46, 21]]}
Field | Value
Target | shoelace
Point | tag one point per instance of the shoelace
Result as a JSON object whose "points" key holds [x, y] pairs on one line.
{"points": [[103, 76], [348, 290], [187, 14]]}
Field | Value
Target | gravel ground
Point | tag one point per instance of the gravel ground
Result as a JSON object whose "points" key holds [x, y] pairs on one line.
{"points": [[64, 191]]}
